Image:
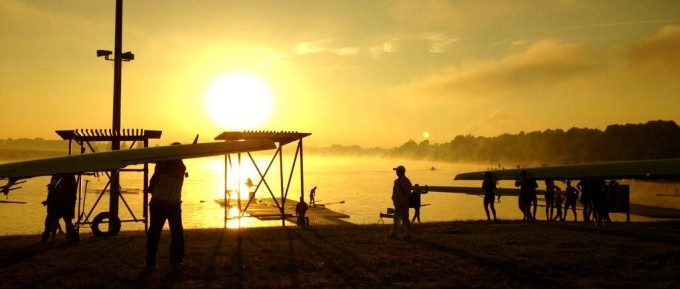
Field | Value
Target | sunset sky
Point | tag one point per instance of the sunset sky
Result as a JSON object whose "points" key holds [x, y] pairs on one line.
{"points": [[370, 73]]}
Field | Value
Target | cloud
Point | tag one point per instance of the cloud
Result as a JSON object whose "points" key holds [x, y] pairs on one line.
{"points": [[660, 50], [387, 46], [346, 51], [543, 64], [439, 42], [489, 124], [321, 46], [312, 47]]}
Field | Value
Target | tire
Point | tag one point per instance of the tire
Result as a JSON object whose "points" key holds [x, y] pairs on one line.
{"points": [[114, 225]]}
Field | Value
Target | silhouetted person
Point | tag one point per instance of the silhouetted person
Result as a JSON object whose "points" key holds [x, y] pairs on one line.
{"points": [[300, 210], [312, 196], [610, 189], [599, 200], [489, 188], [400, 195], [586, 188], [61, 201], [559, 202], [549, 198], [572, 194], [69, 188], [166, 204], [52, 217], [527, 195], [414, 201]]}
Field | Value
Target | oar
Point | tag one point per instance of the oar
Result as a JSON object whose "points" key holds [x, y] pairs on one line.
{"points": [[325, 204], [11, 202]]}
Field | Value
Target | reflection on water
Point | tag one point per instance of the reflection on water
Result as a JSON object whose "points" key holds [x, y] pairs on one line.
{"points": [[363, 183]]}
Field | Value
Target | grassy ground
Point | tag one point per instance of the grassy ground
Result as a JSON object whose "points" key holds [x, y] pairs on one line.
{"points": [[451, 255]]}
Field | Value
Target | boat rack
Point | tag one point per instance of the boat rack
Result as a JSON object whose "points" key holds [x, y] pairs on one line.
{"points": [[281, 138], [84, 138]]}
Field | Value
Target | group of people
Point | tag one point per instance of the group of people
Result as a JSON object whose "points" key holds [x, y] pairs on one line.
{"points": [[166, 189], [405, 195], [591, 192]]}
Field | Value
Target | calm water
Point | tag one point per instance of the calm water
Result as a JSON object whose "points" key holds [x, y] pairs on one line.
{"points": [[364, 184]]}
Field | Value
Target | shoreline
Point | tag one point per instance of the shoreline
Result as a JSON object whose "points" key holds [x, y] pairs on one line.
{"points": [[469, 254]]}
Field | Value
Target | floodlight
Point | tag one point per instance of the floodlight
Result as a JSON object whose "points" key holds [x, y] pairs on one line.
{"points": [[127, 56], [104, 53]]}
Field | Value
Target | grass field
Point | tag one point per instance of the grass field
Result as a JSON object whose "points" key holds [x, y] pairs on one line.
{"points": [[441, 255]]}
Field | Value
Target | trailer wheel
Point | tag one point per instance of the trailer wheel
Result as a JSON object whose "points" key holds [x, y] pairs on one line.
{"points": [[114, 225]]}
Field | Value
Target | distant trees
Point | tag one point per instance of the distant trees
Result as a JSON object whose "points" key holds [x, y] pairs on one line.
{"points": [[651, 140]]}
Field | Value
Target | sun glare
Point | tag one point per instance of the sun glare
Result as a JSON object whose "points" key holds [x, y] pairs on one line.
{"points": [[239, 101]]}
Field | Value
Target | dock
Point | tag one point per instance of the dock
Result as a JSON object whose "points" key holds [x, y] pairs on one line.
{"points": [[266, 209]]}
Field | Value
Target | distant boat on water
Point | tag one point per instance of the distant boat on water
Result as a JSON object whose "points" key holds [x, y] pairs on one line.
{"points": [[122, 191]]}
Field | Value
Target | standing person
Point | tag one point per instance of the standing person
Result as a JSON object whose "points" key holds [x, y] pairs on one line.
{"points": [[300, 210], [599, 200], [400, 194], [489, 188], [312, 195], [68, 186], [572, 196], [559, 200], [549, 198], [586, 188], [61, 202], [166, 204], [414, 201], [52, 217], [527, 194]]}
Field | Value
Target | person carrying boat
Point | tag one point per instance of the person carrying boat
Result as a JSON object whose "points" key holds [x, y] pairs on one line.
{"points": [[527, 194], [489, 188], [572, 196], [166, 204], [61, 203]]}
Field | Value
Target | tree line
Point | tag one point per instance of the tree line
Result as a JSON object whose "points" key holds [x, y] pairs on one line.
{"points": [[657, 139], [652, 140]]}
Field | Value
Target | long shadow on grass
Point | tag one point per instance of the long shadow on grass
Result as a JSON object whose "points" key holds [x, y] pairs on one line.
{"points": [[65, 269], [28, 252], [359, 275], [651, 233], [513, 271], [238, 260], [24, 253]]}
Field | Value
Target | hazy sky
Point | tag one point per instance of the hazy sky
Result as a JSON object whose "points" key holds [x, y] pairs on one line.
{"points": [[372, 73]]}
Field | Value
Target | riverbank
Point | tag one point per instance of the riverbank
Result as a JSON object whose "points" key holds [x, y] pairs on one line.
{"points": [[452, 254]]}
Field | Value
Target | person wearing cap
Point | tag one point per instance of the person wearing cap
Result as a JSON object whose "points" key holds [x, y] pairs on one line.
{"points": [[165, 187], [400, 196]]}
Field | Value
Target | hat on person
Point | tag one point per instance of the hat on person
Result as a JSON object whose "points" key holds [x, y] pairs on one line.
{"points": [[400, 168]]}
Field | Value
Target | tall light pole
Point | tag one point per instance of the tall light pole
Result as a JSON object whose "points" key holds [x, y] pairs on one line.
{"points": [[118, 58]]}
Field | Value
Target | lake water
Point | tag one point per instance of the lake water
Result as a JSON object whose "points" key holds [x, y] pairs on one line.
{"points": [[363, 183]]}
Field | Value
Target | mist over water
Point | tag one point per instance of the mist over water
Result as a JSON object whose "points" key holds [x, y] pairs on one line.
{"points": [[363, 183]]}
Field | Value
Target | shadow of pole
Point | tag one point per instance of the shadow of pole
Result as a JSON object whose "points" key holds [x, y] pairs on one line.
{"points": [[238, 260], [292, 263]]}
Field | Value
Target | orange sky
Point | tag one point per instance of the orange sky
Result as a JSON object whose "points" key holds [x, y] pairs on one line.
{"points": [[372, 73]]}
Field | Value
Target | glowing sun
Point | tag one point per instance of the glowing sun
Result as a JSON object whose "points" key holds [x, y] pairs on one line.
{"points": [[239, 101]]}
